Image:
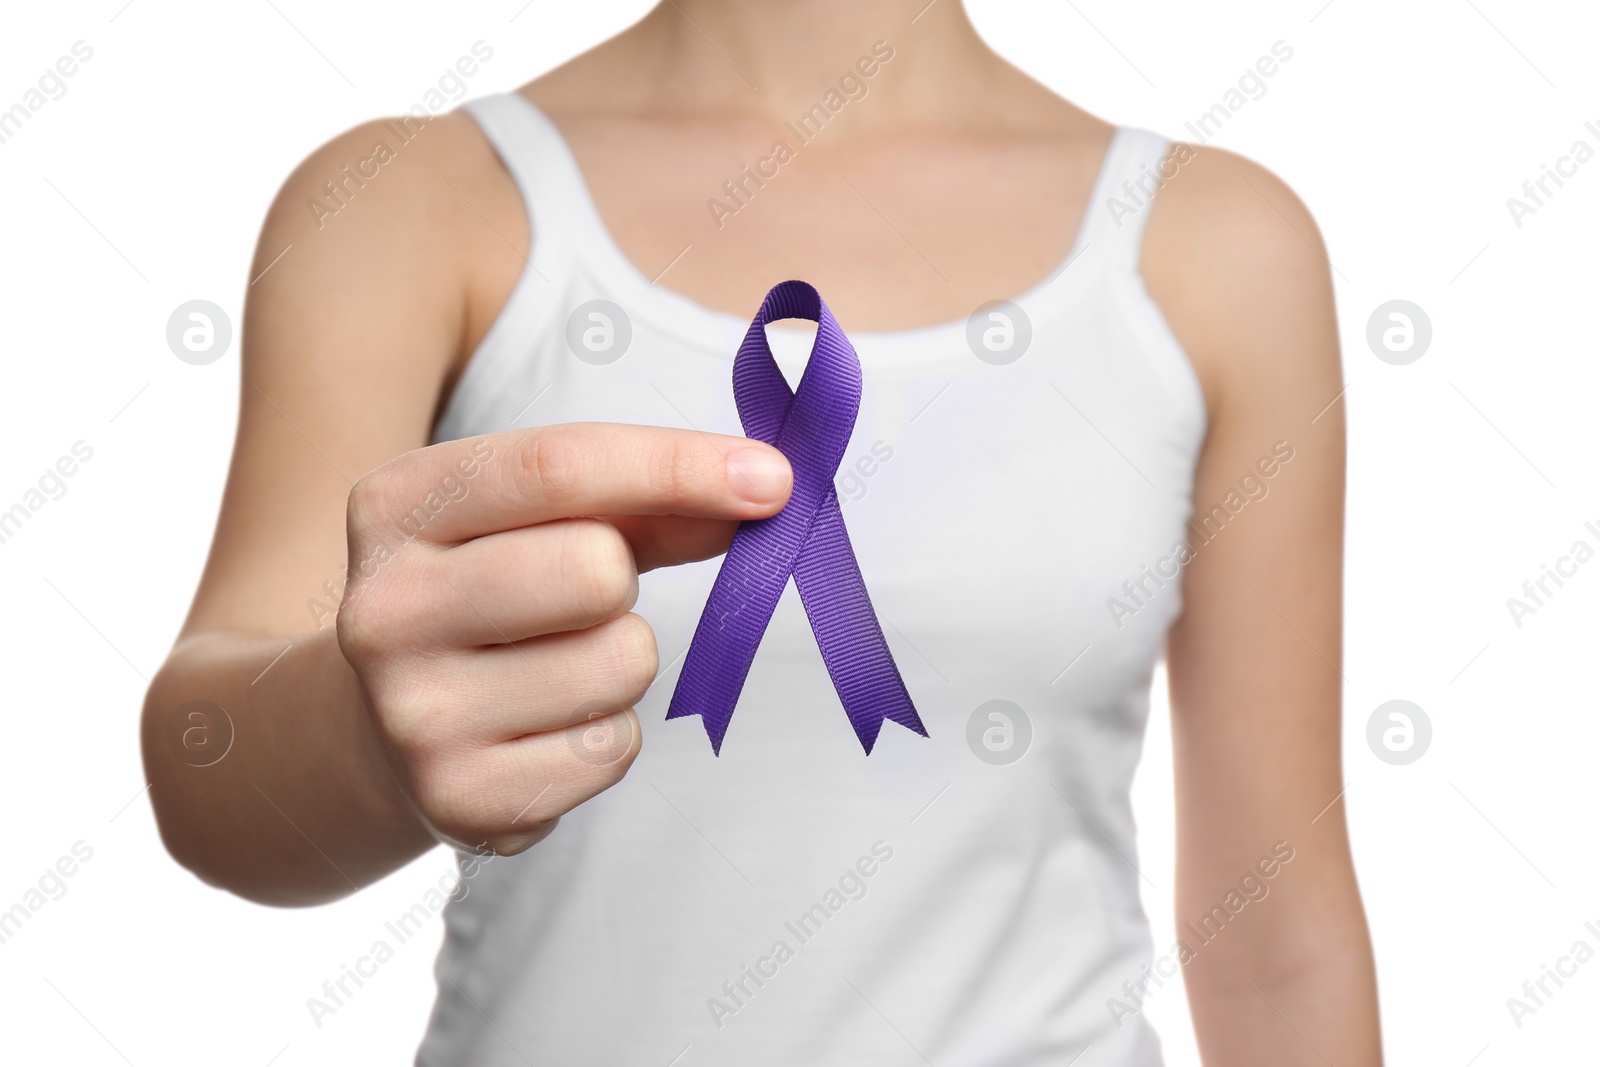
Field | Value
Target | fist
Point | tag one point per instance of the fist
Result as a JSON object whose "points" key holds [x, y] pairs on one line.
{"points": [[488, 614]]}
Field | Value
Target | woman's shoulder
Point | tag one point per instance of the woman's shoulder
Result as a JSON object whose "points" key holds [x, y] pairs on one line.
{"points": [[396, 162], [1237, 264], [1209, 192], [415, 209]]}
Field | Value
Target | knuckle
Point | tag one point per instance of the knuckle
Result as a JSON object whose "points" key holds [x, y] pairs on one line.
{"points": [[395, 503], [414, 721], [606, 744], [600, 572], [551, 462], [667, 467], [689, 467], [487, 801], [452, 798], [360, 631], [378, 620], [367, 508], [375, 521], [637, 658], [408, 732]]}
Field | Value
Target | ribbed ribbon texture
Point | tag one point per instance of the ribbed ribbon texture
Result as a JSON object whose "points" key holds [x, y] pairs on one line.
{"points": [[810, 425]]}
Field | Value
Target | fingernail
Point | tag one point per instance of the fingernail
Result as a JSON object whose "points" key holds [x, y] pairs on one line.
{"points": [[759, 475]]}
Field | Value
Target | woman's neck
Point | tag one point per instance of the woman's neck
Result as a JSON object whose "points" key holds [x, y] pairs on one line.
{"points": [[776, 59]]}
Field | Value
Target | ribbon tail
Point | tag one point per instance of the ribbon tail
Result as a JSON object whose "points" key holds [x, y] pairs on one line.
{"points": [[743, 599], [846, 626]]}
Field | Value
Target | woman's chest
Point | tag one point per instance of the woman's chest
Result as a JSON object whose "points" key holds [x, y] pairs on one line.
{"points": [[996, 512]]}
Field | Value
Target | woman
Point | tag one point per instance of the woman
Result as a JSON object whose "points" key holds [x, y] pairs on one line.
{"points": [[493, 388]]}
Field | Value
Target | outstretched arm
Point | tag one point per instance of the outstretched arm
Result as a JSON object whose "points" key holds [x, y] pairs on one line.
{"points": [[486, 613], [346, 341]]}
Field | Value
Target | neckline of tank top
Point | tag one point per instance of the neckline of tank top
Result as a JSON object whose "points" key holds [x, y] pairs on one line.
{"points": [[719, 331]]}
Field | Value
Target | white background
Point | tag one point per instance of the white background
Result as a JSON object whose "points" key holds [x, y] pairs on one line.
{"points": [[1404, 126]]}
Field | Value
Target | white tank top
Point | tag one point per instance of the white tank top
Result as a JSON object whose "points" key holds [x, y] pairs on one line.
{"points": [[967, 898]]}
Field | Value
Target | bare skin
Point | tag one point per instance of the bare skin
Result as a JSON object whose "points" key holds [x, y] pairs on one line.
{"points": [[410, 721]]}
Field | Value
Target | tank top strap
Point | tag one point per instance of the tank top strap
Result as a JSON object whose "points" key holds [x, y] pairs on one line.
{"points": [[536, 156], [1135, 168]]}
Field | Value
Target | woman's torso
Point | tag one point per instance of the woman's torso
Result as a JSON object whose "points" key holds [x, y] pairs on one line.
{"points": [[1001, 501]]}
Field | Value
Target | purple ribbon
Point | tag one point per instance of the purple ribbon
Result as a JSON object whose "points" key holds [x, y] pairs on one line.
{"points": [[811, 426]]}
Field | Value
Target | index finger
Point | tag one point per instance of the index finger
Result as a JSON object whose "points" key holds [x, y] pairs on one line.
{"points": [[458, 490]]}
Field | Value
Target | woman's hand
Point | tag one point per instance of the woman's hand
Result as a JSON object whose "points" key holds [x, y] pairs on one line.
{"points": [[491, 630]]}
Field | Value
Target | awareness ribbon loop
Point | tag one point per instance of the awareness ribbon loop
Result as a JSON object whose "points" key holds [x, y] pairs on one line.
{"points": [[811, 425]]}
